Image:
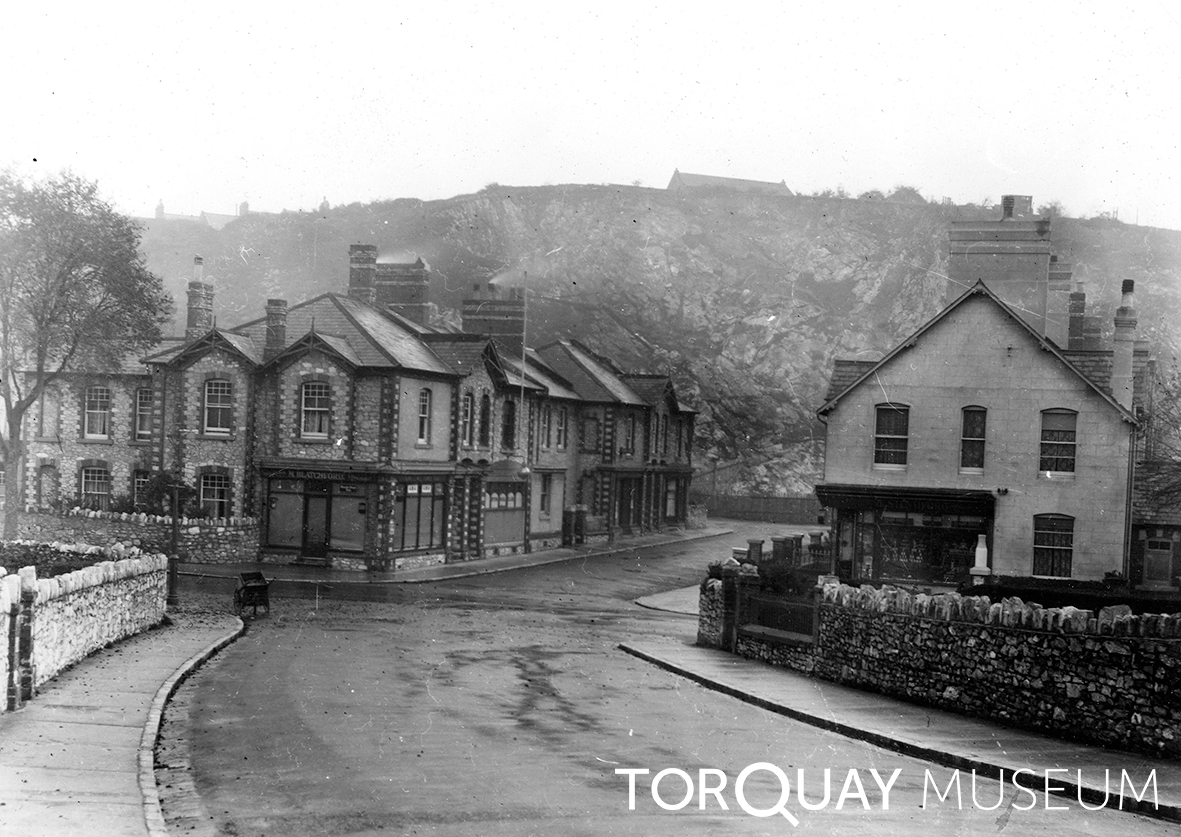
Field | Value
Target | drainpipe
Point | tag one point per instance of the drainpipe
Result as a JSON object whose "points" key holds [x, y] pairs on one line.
{"points": [[1127, 562]]}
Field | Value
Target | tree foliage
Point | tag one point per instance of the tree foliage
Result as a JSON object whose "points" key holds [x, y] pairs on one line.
{"points": [[1159, 477], [75, 296]]}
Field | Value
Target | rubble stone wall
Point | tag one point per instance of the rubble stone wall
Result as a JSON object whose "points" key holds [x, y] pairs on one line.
{"points": [[200, 540], [1110, 678], [49, 624]]}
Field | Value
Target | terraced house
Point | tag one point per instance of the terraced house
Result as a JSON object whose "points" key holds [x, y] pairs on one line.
{"points": [[1002, 437], [362, 436]]}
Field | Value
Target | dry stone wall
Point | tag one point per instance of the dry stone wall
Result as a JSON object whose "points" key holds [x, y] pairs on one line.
{"points": [[1111, 678]]}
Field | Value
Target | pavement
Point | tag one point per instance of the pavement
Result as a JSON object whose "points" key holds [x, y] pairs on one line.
{"points": [[79, 757]]}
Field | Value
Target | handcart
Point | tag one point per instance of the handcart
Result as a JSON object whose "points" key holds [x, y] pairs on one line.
{"points": [[253, 592]]}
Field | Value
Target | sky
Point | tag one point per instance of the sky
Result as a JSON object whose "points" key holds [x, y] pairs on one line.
{"points": [[205, 105]]}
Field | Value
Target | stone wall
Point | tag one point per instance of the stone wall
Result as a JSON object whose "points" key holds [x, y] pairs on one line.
{"points": [[47, 625], [1110, 678], [709, 609], [199, 540]]}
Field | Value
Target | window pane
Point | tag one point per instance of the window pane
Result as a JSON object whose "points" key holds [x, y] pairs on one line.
{"points": [[98, 413], [892, 421], [1053, 545], [974, 420]]}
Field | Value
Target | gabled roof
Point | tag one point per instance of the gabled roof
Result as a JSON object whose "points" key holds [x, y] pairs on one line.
{"points": [[375, 338], [330, 343], [654, 389], [979, 288], [592, 377], [215, 338]]}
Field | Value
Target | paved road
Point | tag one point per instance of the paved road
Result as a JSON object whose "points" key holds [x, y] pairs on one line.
{"points": [[501, 705]]}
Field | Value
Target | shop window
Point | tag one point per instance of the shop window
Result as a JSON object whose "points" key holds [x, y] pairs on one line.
{"points": [[419, 515], [972, 438], [891, 435], [1058, 443], [96, 423], [315, 406], [1053, 544], [218, 407]]}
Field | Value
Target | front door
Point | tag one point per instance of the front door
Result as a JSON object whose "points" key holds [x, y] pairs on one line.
{"points": [[315, 519], [1158, 563]]}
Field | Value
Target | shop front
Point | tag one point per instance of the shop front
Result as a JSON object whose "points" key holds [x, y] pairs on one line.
{"points": [[321, 515], [907, 535]]}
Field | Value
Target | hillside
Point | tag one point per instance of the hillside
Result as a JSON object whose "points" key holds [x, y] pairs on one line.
{"points": [[745, 299]]}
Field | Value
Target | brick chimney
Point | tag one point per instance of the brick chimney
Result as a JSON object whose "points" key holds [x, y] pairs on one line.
{"points": [[200, 310], [496, 313], [362, 272], [405, 287], [1077, 313], [1125, 343], [276, 328], [1015, 206]]}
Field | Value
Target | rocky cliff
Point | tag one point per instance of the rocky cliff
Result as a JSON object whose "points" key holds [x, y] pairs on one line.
{"points": [[745, 299]]}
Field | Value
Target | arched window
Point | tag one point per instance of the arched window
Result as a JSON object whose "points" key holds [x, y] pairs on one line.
{"points": [[485, 421], [315, 410], [508, 427], [467, 423]]}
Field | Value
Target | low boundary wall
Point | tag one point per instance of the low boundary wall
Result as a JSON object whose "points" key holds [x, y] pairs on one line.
{"points": [[1111, 678], [48, 624], [233, 540]]}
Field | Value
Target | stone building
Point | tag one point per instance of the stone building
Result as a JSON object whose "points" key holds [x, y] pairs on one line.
{"points": [[1001, 437], [364, 437]]}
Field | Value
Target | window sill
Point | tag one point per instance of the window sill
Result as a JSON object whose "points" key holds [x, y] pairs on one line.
{"points": [[882, 466], [216, 437], [975, 472], [96, 441], [140, 443], [317, 440], [1061, 476], [423, 446]]}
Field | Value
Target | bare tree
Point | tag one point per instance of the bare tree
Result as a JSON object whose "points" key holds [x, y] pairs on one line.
{"points": [[75, 295]]}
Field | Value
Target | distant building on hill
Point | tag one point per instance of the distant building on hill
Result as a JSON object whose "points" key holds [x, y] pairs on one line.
{"points": [[684, 180], [216, 220]]}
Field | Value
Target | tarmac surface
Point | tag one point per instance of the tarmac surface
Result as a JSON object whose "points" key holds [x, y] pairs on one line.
{"points": [[79, 757]]}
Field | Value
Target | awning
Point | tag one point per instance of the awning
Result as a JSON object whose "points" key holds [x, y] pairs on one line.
{"points": [[899, 498]]}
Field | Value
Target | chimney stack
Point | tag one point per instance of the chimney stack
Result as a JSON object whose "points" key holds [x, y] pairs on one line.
{"points": [[200, 308], [276, 328], [503, 318], [1077, 314], [1125, 343], [362, 272], [404, 287]]}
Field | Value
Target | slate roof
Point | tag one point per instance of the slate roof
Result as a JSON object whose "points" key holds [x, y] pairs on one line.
{"points": [[463, 353], [375, 338], [844, 374], [590, 376], [833, 395], [241, 343]]}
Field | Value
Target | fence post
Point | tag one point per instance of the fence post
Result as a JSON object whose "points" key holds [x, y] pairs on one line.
{"points": [[797, 550], [754, 550], [779, 547], [729, 633], [28, 598]]}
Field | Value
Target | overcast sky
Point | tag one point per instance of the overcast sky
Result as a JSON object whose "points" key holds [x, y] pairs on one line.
{"points": [[203, 105]]}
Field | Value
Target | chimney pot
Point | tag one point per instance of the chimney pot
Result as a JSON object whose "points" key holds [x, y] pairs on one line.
{"points": [[1128, 286]]}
